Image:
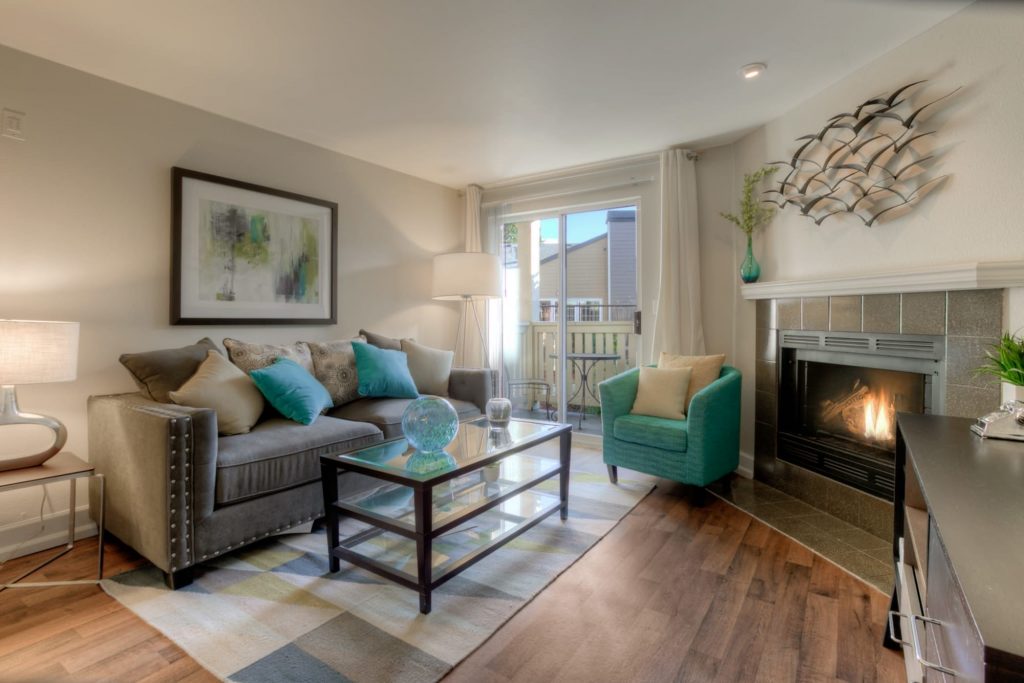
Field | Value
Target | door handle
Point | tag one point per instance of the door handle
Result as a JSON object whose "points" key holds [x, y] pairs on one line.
{"points": [[637, 322]]}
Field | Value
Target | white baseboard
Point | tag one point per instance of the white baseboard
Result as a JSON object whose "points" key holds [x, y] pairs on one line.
{"points": [[746, 468], [25, 537]]}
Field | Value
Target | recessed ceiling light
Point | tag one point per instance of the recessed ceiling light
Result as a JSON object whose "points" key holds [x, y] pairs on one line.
{"points": [[752, 71]]}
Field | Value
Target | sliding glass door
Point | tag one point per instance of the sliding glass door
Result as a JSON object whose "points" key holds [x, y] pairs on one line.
{"points": [[569, 310]]}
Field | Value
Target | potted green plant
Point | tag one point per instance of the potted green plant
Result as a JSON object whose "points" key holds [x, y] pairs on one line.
{"points": [[1006, 361], [753, 214]]}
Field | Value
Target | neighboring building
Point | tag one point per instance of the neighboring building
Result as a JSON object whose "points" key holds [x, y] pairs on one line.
{"points": [[600, 274]]}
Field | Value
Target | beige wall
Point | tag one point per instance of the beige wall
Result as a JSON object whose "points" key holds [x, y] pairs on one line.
{"points": [[85, 218], [975, 216], [586, 273]]}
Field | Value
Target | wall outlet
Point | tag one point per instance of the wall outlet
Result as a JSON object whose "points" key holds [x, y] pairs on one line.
{"points": [[11, 123]]}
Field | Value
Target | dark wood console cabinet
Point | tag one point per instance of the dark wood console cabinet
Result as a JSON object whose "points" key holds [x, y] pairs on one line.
{"points": [[958, 548]]}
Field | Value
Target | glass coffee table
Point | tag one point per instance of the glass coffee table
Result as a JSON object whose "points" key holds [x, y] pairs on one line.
{"points": [[420, 530]]}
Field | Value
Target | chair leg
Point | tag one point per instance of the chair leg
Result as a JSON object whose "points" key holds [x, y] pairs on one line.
{"points": [[613, 474]]}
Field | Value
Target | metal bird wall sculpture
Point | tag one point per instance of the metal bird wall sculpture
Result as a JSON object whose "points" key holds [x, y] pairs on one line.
{"points": [[870, 162]]}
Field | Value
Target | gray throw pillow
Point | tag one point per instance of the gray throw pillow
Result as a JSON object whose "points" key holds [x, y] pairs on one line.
{"points": [[251, 357], [157, 373], [334, 366], [381, 341]]}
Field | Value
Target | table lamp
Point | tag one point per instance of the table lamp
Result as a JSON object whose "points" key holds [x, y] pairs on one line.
{"points": [[465, 276], [34, 352]]}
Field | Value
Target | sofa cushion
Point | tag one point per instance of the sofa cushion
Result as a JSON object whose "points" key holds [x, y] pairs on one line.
{"points": [[157, 373], [251, 357], [279, 454], [334, 366], [382, 341], [222, 387], [669, 435], [292, 390], [383, 373], [430, 368], [386, 413]]}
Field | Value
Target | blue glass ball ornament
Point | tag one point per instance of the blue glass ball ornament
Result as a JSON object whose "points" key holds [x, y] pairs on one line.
{"points": [[429, 424]]}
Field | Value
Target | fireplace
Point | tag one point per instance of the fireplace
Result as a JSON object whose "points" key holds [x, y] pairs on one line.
{"points": [[838, 398]]}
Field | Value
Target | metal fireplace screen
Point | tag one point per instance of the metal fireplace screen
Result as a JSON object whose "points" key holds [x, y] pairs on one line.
{"points": [[838, 404]]}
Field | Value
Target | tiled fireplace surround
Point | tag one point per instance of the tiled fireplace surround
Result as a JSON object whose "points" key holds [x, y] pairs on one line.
{"points": [[971, 320]]}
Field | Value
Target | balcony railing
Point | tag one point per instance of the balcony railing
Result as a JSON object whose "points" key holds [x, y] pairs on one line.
{"points": [[587, 312], [537, 358]]}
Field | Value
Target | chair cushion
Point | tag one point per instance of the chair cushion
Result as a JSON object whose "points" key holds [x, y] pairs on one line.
{"points": [[669, 435], [386, 413], [280, 454], [706, 369]]}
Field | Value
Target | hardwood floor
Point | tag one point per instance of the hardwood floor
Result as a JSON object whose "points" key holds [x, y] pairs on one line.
{"points": [[677, 592], [680, 592], [79, 633]]}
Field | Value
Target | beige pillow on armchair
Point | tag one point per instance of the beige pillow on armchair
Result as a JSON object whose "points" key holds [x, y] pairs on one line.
{"points": [[662, 393], [706, 369]]}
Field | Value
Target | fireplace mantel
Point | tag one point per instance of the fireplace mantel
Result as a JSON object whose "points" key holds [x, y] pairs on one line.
{"points": [[977, 275]]}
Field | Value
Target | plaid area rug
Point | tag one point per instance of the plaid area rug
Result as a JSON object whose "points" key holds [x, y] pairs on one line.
{"points": [[272, 611]]}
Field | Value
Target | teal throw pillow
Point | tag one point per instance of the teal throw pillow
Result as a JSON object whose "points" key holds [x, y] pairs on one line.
{"points": [[292, 390], [383, 373]]}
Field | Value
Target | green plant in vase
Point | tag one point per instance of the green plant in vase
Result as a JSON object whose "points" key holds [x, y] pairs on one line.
{"points": [[1006, 361], [753, 214]]}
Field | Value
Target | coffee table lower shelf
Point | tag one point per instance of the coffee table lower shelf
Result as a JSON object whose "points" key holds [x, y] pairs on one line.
{"points": [[492, 529]]}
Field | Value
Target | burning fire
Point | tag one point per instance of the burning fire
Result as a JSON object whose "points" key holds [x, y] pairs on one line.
{"points": [[863, 414], [878, 417]]}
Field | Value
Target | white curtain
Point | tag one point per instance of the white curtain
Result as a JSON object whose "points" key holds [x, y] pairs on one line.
{"points": [[677, 321], [472, 354]]}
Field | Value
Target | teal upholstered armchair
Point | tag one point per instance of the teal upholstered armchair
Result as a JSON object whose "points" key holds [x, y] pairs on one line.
{"points": [[698, 450]]}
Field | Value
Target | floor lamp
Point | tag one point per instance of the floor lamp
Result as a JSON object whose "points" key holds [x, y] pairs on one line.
{"points": [[464, 277]]}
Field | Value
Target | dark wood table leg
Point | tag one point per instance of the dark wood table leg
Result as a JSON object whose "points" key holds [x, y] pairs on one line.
{"points": [[329, 478], [424, 544], [564, 451]]}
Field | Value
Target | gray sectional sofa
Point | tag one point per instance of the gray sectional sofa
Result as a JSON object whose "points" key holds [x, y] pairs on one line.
{"points": [[179, 494]]}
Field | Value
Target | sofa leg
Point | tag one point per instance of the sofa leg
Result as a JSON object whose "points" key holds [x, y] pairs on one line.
{"points": [[178, 579], [613, 474]]}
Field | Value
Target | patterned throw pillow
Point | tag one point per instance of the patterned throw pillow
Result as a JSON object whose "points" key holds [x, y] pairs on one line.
{"points": [[251, 357], [334, 365]]}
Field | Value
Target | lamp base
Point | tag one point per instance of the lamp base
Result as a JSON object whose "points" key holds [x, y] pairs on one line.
{"points": [[10, 415]]}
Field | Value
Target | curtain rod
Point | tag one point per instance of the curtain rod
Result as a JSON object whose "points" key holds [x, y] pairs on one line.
{"points": [[632, 182]]}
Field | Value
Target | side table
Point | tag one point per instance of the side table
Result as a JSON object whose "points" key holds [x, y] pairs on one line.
{"points": [[65, 466]]}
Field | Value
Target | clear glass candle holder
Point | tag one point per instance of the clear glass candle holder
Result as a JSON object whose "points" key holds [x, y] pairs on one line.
{"points": [[499, 413]]}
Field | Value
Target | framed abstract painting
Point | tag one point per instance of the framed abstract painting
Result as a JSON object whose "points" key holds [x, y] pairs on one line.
{"points": [[244, 254]]}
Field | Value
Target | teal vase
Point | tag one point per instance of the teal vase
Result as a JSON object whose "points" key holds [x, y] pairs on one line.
{"points": [[751, 269]]}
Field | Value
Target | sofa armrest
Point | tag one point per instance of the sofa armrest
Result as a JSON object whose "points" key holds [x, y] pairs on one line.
{"points": [[159, 461], [617, 396], [714, 426], [475, 385]]}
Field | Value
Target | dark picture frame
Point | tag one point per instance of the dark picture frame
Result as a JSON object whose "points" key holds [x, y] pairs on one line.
{"points": [[245, 254]]}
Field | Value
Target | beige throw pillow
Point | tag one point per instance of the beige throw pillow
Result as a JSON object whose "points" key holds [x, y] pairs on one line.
{"points": [[662, 393], [706, 369], [226, 390], [334, 366], [251, 357], [430, 368]]}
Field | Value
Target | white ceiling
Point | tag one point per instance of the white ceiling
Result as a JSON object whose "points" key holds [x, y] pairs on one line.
{"points": [[460, 91]]}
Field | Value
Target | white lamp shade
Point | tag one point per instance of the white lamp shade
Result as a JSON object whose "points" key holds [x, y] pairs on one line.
{"points": [[35, 351], [467, 274]]}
